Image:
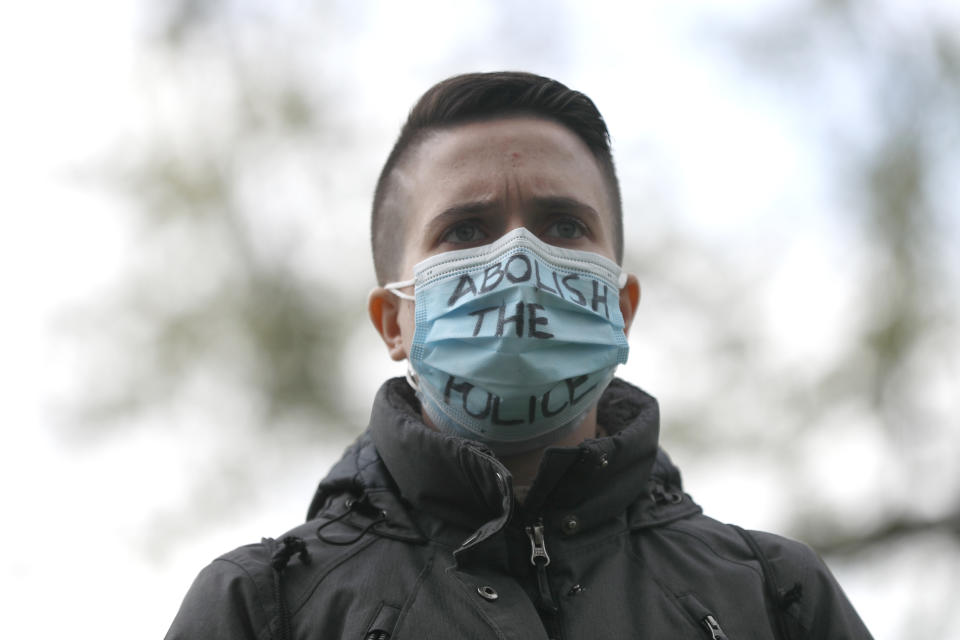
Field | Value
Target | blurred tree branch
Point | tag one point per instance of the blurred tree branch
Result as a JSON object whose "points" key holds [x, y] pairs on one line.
{"points": [[893, 530], [906, 77], [207, 292]]}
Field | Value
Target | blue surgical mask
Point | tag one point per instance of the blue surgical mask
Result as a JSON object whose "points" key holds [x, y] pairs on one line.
{"points": [[514, 340]]}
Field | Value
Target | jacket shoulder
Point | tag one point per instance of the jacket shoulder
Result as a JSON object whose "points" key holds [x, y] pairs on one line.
{"points": [[807, 590], [236, 595], [699, 554], [230, 598]]}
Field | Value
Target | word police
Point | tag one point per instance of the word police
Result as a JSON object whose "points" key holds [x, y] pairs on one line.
{"points": [[488, 406]]}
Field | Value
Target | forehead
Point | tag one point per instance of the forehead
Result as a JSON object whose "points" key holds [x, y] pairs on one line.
{"points": [[506, 159], [468, 157]]}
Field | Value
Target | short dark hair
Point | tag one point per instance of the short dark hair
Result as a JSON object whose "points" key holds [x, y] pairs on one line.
{"points": [[474, 97]]}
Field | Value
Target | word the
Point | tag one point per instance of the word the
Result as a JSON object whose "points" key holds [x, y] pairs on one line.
{"points": [[533, 320]]}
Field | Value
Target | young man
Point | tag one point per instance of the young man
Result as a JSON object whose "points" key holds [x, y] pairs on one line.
{"points": [[510, 487]]}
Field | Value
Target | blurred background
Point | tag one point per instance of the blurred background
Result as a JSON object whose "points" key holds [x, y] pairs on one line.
{"points": [[185, 187]]}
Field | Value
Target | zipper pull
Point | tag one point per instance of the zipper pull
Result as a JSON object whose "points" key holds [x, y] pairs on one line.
{"points": [[716, 633], [539, 558], [538, 550]]}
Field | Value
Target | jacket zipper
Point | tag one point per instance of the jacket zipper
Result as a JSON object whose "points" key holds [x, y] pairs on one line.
{"points": [[539, 558], [703, 616], [716, 633]]}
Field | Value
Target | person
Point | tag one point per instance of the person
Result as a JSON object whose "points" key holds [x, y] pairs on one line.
{"points": [[510, 486]]}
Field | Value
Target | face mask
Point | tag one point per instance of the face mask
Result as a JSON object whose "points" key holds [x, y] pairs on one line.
{"points": [[515, 340]]}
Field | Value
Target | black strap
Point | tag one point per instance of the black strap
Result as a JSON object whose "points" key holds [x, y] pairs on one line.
{"points": [[280, 558], [779, 598]]}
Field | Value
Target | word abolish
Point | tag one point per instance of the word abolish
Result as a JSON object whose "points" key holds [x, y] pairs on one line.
{"points": [[519, 268], [484, 405]]}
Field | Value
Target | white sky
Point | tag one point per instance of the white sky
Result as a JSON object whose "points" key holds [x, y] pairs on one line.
{"points": [[69, 74]]}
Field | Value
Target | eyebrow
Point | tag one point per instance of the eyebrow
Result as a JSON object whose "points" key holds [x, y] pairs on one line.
{"points": [[561, 204], [465, 209]]}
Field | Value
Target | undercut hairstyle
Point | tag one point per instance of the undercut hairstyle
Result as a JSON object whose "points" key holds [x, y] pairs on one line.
{"points": [[474, 97]]}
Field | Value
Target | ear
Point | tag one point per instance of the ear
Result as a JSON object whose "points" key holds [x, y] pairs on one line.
{"points": [[384, 310], [629, 301]]}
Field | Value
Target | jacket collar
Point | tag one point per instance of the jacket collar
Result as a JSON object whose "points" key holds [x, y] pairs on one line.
{"points": [[456, 480], [400, 463], [461, 483]]}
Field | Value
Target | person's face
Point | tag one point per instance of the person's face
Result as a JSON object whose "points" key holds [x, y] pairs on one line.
{"points": [[469, 185]]}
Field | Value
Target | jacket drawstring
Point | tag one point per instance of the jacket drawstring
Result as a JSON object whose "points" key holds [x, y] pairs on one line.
{"points": [[360, 505], [281, 557], [662, 496]]}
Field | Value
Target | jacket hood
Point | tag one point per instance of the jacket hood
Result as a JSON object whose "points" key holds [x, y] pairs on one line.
{"points": [[399, 461]]}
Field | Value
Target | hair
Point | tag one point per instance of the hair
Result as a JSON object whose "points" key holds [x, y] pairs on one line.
{"points": [[475, 97]]}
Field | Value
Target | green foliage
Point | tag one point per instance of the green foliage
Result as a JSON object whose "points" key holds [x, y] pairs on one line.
{"points": [[207, 293]]}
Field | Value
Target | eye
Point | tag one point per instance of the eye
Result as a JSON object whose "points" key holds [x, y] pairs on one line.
{"points": [[566, 229], [464, 233]]}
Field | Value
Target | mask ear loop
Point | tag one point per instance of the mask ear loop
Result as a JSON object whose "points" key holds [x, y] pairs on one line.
{"points": [[622, 280], [394, 288], [412, 379]]}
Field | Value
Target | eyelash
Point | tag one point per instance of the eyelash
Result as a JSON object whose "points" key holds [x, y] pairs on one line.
{"points": [[581, 227], [478, 225]]}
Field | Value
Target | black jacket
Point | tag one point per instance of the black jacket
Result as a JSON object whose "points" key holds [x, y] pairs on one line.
{"points": [[416, 534]]}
